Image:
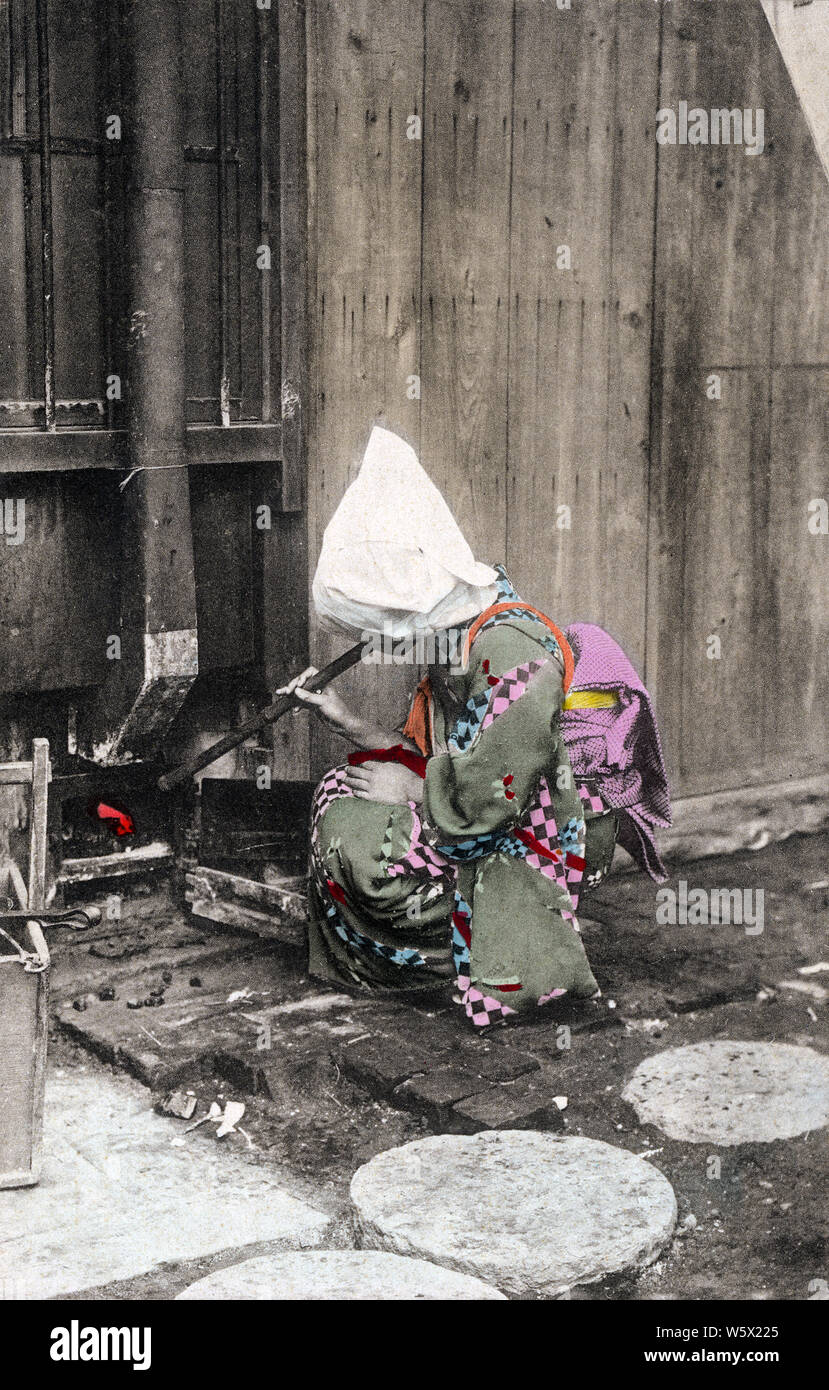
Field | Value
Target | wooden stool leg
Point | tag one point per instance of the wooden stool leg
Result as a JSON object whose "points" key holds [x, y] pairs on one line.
{"points": [[37, 830]]}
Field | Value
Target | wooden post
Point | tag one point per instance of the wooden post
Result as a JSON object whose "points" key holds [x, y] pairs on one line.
{"points": [[24, 1025], [159, 650], [46, 238], [285, 548], [37, 824], [293, 251]]}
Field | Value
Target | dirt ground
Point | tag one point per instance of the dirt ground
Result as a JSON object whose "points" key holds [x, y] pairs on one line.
{"points": [[753, 1225]]}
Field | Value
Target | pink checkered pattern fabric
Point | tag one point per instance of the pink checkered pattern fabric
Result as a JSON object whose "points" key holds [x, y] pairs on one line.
{"points": [[564, 870], [623, 752], [554, 994], [594, 803], [511, 686], [540, 820], [332, 786], [420, 859], [481, 1009]]}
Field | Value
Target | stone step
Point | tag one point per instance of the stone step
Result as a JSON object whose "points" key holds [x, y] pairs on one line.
{"points": [[722, 1092], [533, 1214], [338, 1275], [117, 1195]]}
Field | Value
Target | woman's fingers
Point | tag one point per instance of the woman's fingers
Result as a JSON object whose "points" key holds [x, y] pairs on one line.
{"points": [[297, 681], [308, 697], [355, 778]]}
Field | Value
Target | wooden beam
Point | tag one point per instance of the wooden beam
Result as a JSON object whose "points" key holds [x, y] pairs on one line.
{"points": [[65, 450], [61, 451], [234, 443], [287, 896], [246, 919], [275, 911], [13, 774], [122, 864]]}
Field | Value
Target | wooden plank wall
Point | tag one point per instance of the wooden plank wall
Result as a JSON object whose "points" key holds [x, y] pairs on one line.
{"points": [[740, 294], [584, 159], [544, 386], [366, 227]]}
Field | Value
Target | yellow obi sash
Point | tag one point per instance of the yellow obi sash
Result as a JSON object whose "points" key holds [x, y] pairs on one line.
{"points": [[591, 699]]}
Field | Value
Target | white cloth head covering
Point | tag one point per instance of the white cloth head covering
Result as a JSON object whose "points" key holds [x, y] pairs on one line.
{"points": [[393, 557]]}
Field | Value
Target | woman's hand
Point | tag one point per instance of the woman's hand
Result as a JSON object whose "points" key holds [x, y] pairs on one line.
{"points": [[326, 704], [331, 710], [389, 782]]}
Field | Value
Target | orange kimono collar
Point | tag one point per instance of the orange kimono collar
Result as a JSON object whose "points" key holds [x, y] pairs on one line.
{"points": [[417, 727]]}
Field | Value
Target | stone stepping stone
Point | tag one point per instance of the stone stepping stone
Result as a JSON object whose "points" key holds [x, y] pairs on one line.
{"points": [[732, 1092], [529, 1212], [338, 1275], [117, 1198]]}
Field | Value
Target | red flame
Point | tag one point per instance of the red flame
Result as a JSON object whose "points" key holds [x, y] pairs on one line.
{"points": [[118, 822]]}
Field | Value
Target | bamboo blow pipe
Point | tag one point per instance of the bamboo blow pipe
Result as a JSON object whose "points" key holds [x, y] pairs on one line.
{"points": [[258, 721]]}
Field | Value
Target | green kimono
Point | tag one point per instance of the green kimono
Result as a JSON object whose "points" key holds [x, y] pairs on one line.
{"points": [[481, 881]]}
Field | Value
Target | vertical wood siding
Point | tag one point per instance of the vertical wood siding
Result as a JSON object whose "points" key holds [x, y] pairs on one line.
{"points": [[583, 178], [732, 556], [585, 388], [540, 387], [367, 233]]}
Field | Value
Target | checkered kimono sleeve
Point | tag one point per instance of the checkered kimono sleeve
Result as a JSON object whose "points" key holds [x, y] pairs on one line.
{"points": [[506, 736]]}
